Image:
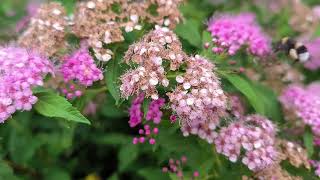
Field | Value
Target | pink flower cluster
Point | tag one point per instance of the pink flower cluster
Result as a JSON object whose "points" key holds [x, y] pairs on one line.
{"points": [[256, 135], [145, 134], [81, 69], [198, 99], [306, 104], [231, 32], [176, 166], [136, 116], [20, 71], [154, 112], [135, 111], [155, 47], [313, 48]]}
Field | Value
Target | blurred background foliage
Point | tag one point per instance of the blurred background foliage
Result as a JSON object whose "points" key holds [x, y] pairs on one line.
{"points": [[36, 147]]}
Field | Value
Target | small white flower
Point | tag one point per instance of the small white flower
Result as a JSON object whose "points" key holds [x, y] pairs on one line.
{"points": [[165, 82], [57, 26], [154, 96], [168, 39], [138, 27], [134, 18], [56, 12], [128, 29], [91, 5], [190, 101], [172, 56], [106, 57], [179, 79], [166, 22], [153, 81], [143, 50], [157, 60], [186, 85]]}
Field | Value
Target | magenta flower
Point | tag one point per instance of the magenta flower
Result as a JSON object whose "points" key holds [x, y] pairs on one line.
{"points": [[135, 111], [79, 71], [313, 48], [154, 113], [231, 32], [306, 104], [20, 71], [80, 67]]}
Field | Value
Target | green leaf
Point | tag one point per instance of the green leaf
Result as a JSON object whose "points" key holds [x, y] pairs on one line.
{"points": [[308, 141], [190, 32], [114, 176], [112, 74], [6, 172], [152, 174], [57, 173], [110, 110], [127, 155], [270, 101], [113, 139], [247, 90], [53, 105]]}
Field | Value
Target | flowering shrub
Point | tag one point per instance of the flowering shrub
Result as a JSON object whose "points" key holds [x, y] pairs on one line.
{"points": [[158, 89]]}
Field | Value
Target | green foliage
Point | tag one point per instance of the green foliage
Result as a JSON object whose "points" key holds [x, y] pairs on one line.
{"points": [[38, 145], [190, 32], [52, 105], [112, 74], [246, 89], [308, 141]]}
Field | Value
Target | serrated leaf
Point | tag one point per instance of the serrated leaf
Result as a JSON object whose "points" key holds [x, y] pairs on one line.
{"points": [[247, 90], [127, 155], [308, 141], [112, 74], [190, 32], [53, 105]]}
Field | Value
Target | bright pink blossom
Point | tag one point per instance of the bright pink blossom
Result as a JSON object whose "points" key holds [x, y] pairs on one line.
{"points": [[231, 32], [20, 71], [306, 104]]}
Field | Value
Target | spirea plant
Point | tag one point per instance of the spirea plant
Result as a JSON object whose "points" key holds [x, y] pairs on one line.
{"points": [[159, 89]]}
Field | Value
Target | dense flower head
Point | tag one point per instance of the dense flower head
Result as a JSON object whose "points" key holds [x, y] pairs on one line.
{"points": [[198, 99], [154, 113], [20, 71], [154, 48], [135, 111], [80, 67], [313, 48], [97, 21], [231, 32], [46, 31], [305, 102], [293, 152], [256, 135]]}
